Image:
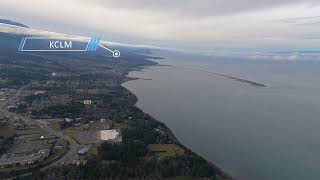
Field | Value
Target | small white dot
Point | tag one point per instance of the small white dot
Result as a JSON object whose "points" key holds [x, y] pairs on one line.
{"points": [[116, 54]]}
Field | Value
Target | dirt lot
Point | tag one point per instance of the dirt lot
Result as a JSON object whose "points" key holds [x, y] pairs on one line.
{"points": [[87, 137]]}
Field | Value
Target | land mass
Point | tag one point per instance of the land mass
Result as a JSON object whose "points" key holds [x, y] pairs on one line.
{"points": [[67, 116], [5, 21]]}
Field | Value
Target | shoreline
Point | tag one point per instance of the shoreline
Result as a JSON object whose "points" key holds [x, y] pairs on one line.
{"points": [[222, 173]]}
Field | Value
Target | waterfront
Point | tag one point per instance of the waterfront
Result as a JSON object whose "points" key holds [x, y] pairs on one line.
{"points": [[251, 132]]}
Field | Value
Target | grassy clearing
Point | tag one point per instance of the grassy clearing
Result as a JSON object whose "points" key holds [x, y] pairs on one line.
{"points": [[182, 178], [31, 131], [32, 137], [55, 126], [61, 100], [3, 83], [166, 150], [94, 151], [81, 127], [71, 134], [6, 131], [120, 125], [93, 91]]}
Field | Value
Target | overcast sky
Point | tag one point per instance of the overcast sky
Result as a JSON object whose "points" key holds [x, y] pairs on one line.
{"points": [[202, 25]]}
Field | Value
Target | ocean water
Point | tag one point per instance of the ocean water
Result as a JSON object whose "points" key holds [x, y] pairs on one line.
{"points": [[253, 133]]}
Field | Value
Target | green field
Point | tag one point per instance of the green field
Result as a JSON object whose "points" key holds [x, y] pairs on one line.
{"points": [[120, 125], [3, 83], [55, 126], [6, 131], [72, 134], [182, 178], [60, 99], [94, 151], [31, 131], [166, 150], [93, 91]]}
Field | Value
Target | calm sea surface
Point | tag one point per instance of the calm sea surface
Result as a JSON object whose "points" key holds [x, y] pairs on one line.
{"points": [[254, 133]]}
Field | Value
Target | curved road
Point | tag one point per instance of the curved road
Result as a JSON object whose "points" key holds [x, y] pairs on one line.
{"points": [[73, 145]]}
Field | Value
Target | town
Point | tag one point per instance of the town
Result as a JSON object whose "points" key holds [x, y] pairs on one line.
{"points": [[33, 144], [68, 116]]}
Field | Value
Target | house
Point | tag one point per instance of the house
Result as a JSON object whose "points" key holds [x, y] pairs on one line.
{"points": [[83, 151], [39, 92], [68, 120], [104, 124], [87, 102]]}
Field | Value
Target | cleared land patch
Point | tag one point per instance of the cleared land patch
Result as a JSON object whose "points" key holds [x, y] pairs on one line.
{"points": [[166, 150]]}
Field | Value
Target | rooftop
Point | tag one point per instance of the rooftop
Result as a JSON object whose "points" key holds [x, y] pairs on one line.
{"points": [[106, 135]]}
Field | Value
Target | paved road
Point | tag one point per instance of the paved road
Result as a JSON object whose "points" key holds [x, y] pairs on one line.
{"points": [[74, 147]]}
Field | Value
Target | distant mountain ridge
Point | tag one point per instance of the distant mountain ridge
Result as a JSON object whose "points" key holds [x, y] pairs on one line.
{"points": [[5, 21]]}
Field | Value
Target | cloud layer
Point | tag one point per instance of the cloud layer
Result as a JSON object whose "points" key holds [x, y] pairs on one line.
{"points": [[203, 25]]}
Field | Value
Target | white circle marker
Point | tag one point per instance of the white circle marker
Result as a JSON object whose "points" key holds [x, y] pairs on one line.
{"points": [[116, 53]]}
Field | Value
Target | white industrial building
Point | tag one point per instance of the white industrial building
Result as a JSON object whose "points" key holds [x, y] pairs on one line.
{"points": [[110, 135]]}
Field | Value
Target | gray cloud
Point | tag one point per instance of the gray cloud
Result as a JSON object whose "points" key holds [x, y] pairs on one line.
{"points": [[201, 7], [310, 20], [287, 56], [202, 24]]}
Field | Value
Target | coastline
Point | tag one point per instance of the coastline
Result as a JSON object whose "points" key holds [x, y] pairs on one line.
{"points": [[222, 174]]}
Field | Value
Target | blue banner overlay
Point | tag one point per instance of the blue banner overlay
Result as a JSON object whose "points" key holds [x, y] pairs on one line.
{"points": [[46, 44], [57, 44], [21, 44], [93, 44]]}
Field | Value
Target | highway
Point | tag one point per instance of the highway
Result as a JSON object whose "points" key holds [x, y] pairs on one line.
{"points": [[74, 147]]}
